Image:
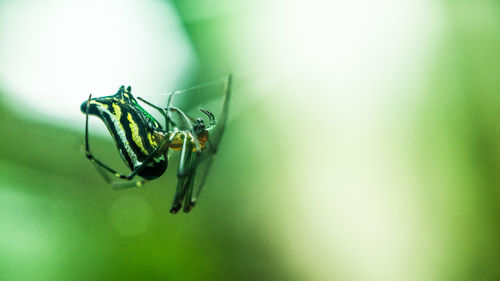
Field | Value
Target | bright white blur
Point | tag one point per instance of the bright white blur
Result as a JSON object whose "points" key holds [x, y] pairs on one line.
{"points": [[75, 48]]}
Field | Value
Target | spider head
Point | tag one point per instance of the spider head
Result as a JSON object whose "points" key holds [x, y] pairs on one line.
{"points": [[199, 126]]}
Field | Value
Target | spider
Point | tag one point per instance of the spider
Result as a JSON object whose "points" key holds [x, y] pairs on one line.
{"points": [[144, 144]]}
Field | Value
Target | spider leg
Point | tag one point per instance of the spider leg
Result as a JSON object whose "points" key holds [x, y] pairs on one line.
{"points": [[189, 201], [187, 166], [185, 173], [184, 176], [167, 109], [117, 184], [168, 120]]}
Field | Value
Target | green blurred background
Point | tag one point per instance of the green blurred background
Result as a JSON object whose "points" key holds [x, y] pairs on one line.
{"points": [[363, 140]]}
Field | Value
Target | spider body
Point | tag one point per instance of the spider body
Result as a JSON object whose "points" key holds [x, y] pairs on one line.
{"points": [[143, 142], [136, 133]]}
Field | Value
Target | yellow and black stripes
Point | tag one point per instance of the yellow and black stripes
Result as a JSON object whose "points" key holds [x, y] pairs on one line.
{"points": [[136, 133]]}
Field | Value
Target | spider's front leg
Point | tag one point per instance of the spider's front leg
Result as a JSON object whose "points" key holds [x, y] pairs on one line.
{"points": [[185, 174]]}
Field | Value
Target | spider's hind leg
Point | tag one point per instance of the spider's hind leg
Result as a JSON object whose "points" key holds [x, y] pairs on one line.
{"points": [[111, 179]]}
